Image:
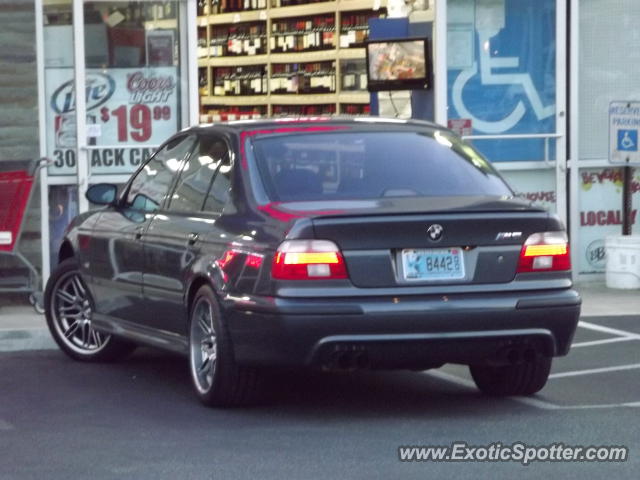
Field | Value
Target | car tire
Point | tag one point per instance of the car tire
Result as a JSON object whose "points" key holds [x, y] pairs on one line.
{"points": [[218, 381], [520, 379], [68, 310]]}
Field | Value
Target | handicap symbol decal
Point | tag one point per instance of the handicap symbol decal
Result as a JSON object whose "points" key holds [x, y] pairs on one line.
{"points": [[628, 140], [492, 72]]}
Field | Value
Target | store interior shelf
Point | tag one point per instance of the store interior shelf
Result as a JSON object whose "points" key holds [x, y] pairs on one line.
{"points": [[289, 57], [354, 97], [284, 99], [351, 53], [238, 100], [250, 40], [349, 5], [237, 17], [319, 98], [303, 10], [237, 61], [291, 11], [315, 99], [314, 56]]}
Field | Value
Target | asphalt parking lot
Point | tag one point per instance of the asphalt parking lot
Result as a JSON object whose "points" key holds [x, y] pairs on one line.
{"points": [[138, 419]]}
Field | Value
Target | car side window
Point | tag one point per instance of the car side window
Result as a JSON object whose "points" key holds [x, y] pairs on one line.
{"points": [[151, 185], [220, 190], [198, 173]]}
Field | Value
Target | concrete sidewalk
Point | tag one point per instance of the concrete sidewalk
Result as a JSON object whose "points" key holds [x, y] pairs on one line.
{"points": [[598, 300], [23, 329]]}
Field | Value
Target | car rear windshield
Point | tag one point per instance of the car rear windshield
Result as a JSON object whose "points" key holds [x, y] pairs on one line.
{"points": [[372, 164]]}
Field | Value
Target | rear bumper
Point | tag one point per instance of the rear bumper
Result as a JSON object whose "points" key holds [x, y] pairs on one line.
{"points": [[402, 332]]}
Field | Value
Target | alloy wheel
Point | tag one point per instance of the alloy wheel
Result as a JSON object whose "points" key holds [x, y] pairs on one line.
{"points": [[203, 345], [72, 309]]}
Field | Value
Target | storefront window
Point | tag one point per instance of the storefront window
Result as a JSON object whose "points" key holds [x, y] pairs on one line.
{"points": [[133, 83], [133, 72], [608, 68], [607, 73], [502, 76]]}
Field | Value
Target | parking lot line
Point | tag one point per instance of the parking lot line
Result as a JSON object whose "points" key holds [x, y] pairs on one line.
{"points": [[530, 401], [612, 331], [601, 342], [595, 370]]}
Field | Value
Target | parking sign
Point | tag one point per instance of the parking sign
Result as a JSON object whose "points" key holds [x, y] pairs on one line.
{"points": [[624, 124]]}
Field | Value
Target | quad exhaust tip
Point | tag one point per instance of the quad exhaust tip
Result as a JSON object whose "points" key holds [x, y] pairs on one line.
{"points": [[348, 360]]}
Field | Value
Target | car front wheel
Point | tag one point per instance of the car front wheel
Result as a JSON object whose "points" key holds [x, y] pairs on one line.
{"points": [[69, 309], [218, 381], [524, 378]]}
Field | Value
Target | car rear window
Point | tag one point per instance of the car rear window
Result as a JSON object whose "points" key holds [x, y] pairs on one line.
{"points": [[372, 164]]}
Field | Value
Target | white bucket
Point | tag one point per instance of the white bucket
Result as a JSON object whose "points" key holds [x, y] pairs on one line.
{"points": [[623, 261]]}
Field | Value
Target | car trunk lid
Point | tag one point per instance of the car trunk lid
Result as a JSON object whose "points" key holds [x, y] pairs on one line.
{"points": [[379, 245]]}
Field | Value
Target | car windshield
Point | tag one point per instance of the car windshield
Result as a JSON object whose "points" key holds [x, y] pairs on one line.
{"points": [[373, 164]]}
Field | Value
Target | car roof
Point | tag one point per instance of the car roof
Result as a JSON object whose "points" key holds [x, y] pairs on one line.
{"points": [[271, 123]]}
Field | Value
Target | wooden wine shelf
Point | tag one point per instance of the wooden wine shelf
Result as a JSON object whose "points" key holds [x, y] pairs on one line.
{"points": [[289, 57], [267, 15], [303, 10], [237, 17], [287, 99], [291, 12], [240, 100]]}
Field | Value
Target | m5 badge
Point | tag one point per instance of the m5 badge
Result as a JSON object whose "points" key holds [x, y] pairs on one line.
{"points": [[508, 235]]}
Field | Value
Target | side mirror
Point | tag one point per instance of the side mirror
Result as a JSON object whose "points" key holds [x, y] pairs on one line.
{"points": [[102, 194]]}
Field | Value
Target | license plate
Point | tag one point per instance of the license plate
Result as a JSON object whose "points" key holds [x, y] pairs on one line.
{"points": [[433, 264]]}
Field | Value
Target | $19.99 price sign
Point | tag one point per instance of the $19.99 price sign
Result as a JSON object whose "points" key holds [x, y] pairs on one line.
{"points": [[135, 123], [130, 111]]}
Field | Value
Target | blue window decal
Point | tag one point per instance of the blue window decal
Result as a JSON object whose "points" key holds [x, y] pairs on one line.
{"points": [[502, 74]]}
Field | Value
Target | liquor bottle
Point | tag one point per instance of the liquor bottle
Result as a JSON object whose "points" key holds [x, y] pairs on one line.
{"points": [[202, 37], [203, 83]]}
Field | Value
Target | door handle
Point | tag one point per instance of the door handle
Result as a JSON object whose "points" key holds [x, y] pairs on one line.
{"points": [[139, 233], [193, 238]]}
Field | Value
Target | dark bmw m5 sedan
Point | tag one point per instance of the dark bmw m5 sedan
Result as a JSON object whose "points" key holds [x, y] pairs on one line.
{"points": [[336, 244]]}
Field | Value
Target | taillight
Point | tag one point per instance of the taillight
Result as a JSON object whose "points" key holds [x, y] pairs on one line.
{"points": [[308, 260], [546, 251]]}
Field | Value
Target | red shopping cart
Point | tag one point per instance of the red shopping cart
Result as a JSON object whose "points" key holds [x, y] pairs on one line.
{"points": [[17, 180]]}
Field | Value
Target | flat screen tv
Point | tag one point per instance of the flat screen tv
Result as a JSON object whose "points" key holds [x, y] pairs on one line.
{"points": [[402, 64]]}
